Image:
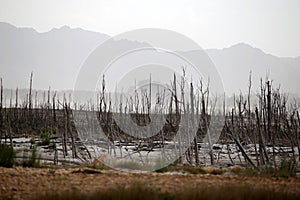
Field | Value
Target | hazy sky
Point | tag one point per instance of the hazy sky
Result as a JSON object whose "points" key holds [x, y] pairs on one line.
{"points": [[271, 25]]}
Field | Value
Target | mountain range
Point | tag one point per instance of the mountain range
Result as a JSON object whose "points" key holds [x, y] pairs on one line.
{"points": [[56, 56]]}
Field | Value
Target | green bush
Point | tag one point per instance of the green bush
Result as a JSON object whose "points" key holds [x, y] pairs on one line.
{"points": [[33, 161], [7, 156], [45, 139], [32, 141]]}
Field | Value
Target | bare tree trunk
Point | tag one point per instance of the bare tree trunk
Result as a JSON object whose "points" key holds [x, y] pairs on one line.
{"points": [[16, 113], [1, 94], [244, 153], [259, 137], [30, 113], [1, 105], [291, 139], [175, 120], [239, 145], [297, 135], [64, 134], [193, 126], [250, 125], [30, 92], [17, 98], [74, 153], [55, 159], [271, 135], [54, 121], [262, 147], [276, 127], [204, 114], [269, 107]]}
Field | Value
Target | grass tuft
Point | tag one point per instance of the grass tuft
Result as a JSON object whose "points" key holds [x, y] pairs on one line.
{"points": [[32, 161], [87, 171], [7, 156]]}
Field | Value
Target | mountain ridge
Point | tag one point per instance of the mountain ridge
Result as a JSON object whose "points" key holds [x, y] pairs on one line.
{"points": [[55, 57]]}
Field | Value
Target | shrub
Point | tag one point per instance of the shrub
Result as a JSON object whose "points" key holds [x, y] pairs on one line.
{"points": [[288, 168], [33, 161], [32, 141], [45, 139], [249, 171], [7, 156]]}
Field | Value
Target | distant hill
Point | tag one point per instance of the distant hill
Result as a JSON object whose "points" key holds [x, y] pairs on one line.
{"points": [[236, 62], [55, 58]]}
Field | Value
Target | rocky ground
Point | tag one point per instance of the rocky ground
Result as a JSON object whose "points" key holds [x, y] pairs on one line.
{"points": [[27, 183]]}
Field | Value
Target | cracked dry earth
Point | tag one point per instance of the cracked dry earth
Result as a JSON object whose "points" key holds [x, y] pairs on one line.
{"points": [[25, 183]]}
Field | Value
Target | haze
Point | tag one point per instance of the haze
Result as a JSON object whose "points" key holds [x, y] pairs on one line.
{"points": [[271, 25]]}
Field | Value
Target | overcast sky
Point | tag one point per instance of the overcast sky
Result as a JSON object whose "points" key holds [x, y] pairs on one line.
{"points": [[271, 25]]}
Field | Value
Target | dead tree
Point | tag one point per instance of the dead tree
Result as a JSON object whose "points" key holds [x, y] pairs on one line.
{"points": [[30, 93], [175, 119], [54, 120], [65, 132], [239, 145], [1, 105], [262, 147], [69, 130], [297, 134], [193, 126], [204, 115]]}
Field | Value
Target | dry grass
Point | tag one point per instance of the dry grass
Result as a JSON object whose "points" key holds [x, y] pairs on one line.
{"points": [[143, 191], [87, 183]]}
